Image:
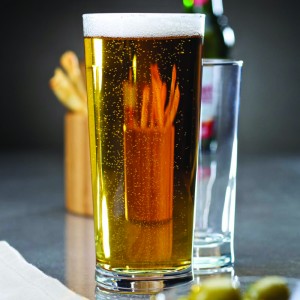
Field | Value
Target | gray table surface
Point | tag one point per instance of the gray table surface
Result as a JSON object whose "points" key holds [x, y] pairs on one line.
{"points": [[34, 221]]}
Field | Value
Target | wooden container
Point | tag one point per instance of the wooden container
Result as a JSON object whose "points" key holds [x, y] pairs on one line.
{"points": [[149, 168], [78, 186]]}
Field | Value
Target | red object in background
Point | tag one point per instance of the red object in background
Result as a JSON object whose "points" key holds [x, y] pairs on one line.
{"points": [[207, 128], [200, 2]]}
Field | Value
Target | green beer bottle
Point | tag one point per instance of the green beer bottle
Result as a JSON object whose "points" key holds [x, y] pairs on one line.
{"points": [[219, 36]]}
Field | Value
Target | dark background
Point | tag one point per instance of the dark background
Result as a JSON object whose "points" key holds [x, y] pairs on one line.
{"points": [[35, 34]]}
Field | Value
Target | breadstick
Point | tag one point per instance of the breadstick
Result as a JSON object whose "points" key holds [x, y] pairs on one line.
{"points": [[145, 104], [158, 108], [174, 107], [130, 92], [82, 70], [172, 91], [163, 95], [70, 63], [65, 91]]}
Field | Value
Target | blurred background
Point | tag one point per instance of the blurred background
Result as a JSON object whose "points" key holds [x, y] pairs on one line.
{"points": [[35, 34]]}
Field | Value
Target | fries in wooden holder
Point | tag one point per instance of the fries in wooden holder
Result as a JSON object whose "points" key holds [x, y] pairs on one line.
{"points": [[68, 84], [149, 149]]}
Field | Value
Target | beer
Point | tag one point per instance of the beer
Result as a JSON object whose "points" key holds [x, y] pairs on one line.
{"points": [[143, 102]]}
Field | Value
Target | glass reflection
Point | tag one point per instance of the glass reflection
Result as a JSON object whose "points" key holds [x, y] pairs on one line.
{"points": [[184, 290]]}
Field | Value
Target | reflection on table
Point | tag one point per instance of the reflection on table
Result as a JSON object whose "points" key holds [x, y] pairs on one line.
{"points": [[80, 254]]}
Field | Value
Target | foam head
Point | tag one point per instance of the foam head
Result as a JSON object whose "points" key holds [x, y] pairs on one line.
{"points": [[135, 25]]}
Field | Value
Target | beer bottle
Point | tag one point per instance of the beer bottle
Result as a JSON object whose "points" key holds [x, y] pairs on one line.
{"points": [[218, 41], [219, 36]]}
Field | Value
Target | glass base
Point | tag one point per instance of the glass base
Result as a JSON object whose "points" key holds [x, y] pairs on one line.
{"points": [[140, 283], [212, 253]]}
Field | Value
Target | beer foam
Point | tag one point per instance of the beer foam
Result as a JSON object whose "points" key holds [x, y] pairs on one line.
{"points": [[131, 25]]}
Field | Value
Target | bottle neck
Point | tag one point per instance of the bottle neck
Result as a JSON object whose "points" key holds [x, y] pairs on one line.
{"points": [[203, 6], [214, 7]]}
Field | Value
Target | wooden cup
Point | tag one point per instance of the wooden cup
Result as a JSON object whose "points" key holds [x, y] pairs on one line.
{"points": [[78, 185], [149, 168]]}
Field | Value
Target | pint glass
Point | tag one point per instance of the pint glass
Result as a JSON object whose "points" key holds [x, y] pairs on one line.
{"points": [[143, 83], [217, 167]]}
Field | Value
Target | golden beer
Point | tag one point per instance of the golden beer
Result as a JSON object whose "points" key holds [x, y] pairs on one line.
{"points": [[143, 104]]}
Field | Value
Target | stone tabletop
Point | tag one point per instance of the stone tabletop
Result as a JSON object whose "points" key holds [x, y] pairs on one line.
{"points": [[33, 218]]}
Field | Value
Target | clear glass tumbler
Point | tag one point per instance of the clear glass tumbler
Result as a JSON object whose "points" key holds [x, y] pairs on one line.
{"points": [[213, 249]]}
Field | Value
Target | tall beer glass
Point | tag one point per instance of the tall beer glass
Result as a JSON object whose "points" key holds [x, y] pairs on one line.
{"points": [[143, 83]]}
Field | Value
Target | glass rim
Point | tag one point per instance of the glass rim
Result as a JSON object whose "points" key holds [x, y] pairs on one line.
{"points": [[143, 24], [118, 14], [143, 13], [221, 62]]}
